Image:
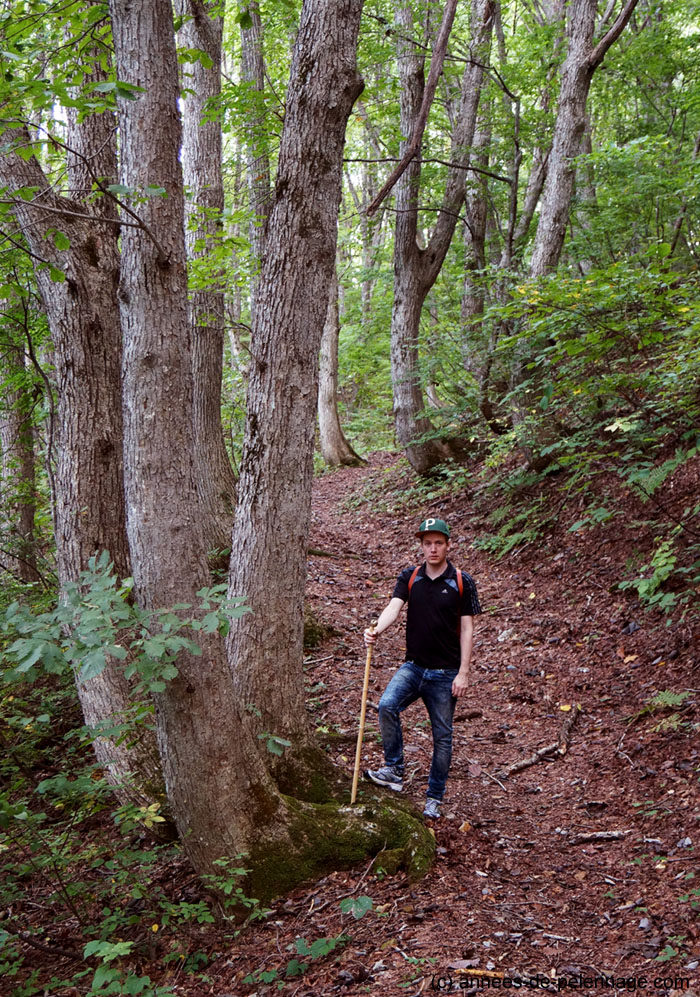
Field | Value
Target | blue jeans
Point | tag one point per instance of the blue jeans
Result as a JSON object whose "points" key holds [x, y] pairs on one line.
{"points": [[434, 687]]}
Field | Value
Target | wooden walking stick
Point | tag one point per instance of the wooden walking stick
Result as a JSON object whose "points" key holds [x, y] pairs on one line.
{"points": [[361, 731]]}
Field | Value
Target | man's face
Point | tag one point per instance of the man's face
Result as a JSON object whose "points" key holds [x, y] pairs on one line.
{"points": [[435, 547]]}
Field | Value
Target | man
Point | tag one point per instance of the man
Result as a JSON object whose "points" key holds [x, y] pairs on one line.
{"points": [[439, 636]]}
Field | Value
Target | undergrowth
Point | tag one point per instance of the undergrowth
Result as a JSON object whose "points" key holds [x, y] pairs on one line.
{"points": [[92, 900]]}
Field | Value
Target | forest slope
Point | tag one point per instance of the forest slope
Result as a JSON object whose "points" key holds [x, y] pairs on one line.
{"points": [[512, 891], [582, 862]]}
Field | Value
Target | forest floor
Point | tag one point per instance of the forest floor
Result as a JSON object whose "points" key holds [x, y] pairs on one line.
{"points": [[521, 887], [579, 869]]}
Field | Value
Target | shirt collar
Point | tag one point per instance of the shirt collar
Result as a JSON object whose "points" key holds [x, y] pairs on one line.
{"points": [[449, 572]]}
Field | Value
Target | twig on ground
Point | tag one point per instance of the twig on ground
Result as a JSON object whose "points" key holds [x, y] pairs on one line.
{"points": [[364, 874], [494, 779], [584, 839], [317, 552], [50, 949], [560, 747]]}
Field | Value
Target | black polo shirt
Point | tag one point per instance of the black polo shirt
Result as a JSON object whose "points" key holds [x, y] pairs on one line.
{"points": [[434, 614]]}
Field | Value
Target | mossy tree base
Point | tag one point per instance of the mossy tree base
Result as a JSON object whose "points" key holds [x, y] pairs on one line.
{"points": [[306, 827], [313, 838]]}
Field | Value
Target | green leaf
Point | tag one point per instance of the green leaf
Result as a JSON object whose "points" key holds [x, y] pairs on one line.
{"points": [[120, 188], [274, 744], [60, 240], [357, 906], [104, 975], [93, 664], [107, 951], [296, 968]]}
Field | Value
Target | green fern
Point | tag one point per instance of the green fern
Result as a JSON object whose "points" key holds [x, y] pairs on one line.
{"points": [[667, 700], [647, 478]]}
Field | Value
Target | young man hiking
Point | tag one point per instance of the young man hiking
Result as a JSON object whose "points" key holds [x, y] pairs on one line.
{"points": [[439, 634]]}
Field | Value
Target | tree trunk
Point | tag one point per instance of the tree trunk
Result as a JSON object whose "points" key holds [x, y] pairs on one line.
{"points": [[473, 293], [18, 486], [88, 485], [416, 269], [214, 721], [197, 717], [587, 198], [256, 150], [277, 463], [581, 61], [335, 447], [202, 172]]}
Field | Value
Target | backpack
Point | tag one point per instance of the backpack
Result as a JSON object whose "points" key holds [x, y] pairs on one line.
{"points": [[460, 581]]}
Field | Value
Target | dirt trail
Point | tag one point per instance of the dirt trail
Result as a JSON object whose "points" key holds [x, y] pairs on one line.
{"points": [[521, 886]]}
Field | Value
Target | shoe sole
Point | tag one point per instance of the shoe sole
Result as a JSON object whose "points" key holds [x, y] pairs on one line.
{"points": [[395, 787]]}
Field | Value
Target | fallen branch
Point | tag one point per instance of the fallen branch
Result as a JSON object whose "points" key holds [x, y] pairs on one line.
{"points": [[584, 839], [56, 950], [558, 747], [468, 715], [317, 552]]}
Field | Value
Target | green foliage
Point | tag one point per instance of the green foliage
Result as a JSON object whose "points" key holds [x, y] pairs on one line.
{"points": [[106, 893], [311, 951], [667, 699], [275, 744], [227, 884], [357, 906], [97, 619]]}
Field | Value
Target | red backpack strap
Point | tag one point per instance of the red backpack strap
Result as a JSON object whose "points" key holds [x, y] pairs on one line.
{"points": [[412, 579], [460, 586]]}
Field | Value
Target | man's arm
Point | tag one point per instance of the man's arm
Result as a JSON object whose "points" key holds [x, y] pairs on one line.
{"points": [[466, 641], [389, 615]]}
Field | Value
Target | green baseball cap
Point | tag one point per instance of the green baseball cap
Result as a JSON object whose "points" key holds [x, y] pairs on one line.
{"points": [[433, 526]]}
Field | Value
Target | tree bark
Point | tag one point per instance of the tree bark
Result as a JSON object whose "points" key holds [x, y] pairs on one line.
{"points": [[197, 716], [273, 512], [416, 269], [17, 467], [202, 172], [214, 721], [256, 148], [335, 447], [582, 59], [88, 484]]}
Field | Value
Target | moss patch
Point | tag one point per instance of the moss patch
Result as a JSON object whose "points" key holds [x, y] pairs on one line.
{"points": [[306, 773], [316, 838]]}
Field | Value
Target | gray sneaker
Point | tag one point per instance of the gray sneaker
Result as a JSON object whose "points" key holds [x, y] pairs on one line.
{"points": [[432, 808], [388, 776]]}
